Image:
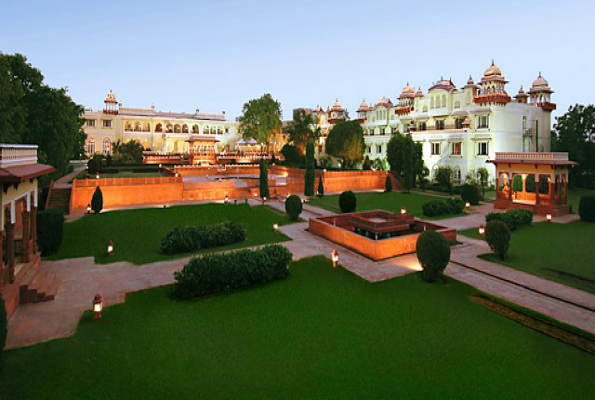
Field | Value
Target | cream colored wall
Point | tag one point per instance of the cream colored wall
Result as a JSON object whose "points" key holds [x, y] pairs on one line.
{"points": [[13, 194]]}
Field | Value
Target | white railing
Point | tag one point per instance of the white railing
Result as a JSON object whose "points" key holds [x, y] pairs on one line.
{"points": [[532, 156], [17, 154]]}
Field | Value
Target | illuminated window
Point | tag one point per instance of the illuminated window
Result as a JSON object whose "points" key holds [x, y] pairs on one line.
{"points": [[455, 149], [90, 146], [107, 146]]}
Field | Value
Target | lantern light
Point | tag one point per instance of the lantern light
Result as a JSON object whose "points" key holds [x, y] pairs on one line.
{"points": [[226, 199], [467, 204], [276, 227], [482, 230], [97, 175], [324, 170], [403, 210], [110, 248], [255, 194], [335, 258], [97, 306], [88, 208], [160, 165], [548, 217]]}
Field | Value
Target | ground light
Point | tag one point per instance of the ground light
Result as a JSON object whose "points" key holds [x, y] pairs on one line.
{"points": [[110, 248], [467, 204], [97, 175], [482, 230], [548, 217], [403, 210], [263, 200], [88, 208], [335, 258], [276, 227], [226, 199], [97, 306]]}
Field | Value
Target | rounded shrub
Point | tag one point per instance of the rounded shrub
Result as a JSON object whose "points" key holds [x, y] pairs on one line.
{"points": [[498, 237], [93, 166], [320, 186], [433, 253], [388, 185], [586, 208], [347, 202], [293, 207], [50, 228], [97, 201], [470, 193]]}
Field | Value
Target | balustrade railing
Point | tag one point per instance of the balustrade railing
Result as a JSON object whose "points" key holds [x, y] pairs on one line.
{"points": [[17, 154]]}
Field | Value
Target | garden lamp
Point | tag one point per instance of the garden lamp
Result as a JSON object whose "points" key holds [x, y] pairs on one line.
{"points": [[97, 175], [335, 258], [226, 199], [276, 227], [403, 210], [110, 248], [88, 208], [97, 306], [467, 204], [548, 217], [482, 230]]}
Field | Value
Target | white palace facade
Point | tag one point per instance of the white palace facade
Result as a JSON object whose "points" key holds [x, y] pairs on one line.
{"points": [[458, 127], [158, 131]]}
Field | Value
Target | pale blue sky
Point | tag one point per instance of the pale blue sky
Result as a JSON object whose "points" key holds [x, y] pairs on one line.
{"points": [[217, 55]]}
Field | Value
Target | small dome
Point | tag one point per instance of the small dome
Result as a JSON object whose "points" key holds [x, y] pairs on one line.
{"points": [[493, 70], [419, 93], [110, 97], [337, 106], [540, 82], [385, 102], [522, 91], [408, 89], [363, 106], [470, 81]]}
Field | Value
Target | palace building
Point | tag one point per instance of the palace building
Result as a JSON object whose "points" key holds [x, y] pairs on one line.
{"points": [[158, 131]]}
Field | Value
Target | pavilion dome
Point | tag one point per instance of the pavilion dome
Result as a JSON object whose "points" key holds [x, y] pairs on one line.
{"points": [[337, 106], [419, 93], [493, 70], [363, 106], [110, 97], [540, 82]]}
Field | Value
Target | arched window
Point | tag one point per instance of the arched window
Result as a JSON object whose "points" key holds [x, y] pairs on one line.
{"points": [[159, 128], [432, 102], [219, 130], [457, 176], [169, 128], [184, 128], [177, 128], [146, 127], [443, 100], [205, 130], [137, 126], [107, 146], [213, 130], [128, 126], [195, 128], [90, 146]]}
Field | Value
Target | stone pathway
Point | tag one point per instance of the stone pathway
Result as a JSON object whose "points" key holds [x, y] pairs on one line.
{"points": [[83, 279]]}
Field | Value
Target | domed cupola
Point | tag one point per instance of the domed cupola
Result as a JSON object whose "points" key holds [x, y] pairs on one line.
{"points": [[493, 91], [407, 92], [522, 96], [336, 113], [540, 93], [111, 103], [419, 93], [362, 110]]}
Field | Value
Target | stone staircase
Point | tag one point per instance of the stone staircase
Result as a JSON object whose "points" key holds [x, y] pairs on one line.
{"points": [[60, 199]]}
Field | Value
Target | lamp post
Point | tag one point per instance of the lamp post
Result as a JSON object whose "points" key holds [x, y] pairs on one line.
{"points": [[110, 248], [403, 210], [548, 217], [263, 200], [276, 227], [226, 199], [467, 204], [97, 306], [97, 175], [335, 258], [482, 230], [88, 208]]}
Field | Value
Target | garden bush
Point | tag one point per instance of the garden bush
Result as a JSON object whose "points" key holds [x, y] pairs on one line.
{"points": [[455, 206], [586, 208], [192, 238], [93, 166], [512, 218], [347, 202], [388, 185], [498, 237], [530, 184], [50, 228], [367, 165], [470, 193], [435, 208], [97, 201], [433, 253], [320, 186], [215, 273], [293, 207]]}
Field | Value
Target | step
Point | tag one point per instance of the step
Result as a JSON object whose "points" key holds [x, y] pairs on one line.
{"points": [[53, 290], [34, 287], [45, 287], [24, 285]]}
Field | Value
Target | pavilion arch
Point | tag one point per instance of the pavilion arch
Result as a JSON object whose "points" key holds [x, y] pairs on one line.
{"points": [[443, 100], [90, 146], [185, 128], [169, 128], [195, 128], [146, 127], [128, 126], [137, 126], [159, 128], [205, 130], [177, 128], [213, 130], [219, 130], [107, 146]]}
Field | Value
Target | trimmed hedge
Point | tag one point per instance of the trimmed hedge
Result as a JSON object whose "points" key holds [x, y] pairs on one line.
{"points": [[512, 218], [442, 207], [215, 273], [97, 201], [471, 194], [433, 253], [293, 207], [388, 184], [50, 229], [498, 237], [347, 202], [320, 186], [192, 238], [586, 208]]}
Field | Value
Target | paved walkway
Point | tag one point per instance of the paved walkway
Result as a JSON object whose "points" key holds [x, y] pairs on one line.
{"points": [[34, 323]]}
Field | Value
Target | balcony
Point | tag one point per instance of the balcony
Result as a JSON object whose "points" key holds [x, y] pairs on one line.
{"points": [[17, 154]]}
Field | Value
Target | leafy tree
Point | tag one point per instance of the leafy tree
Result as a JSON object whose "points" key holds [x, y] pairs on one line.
{"points": [[422, 177], [292, 154], [310, 167], [367, 166], [346, 141], [380, 164], [261, 119], [444, 178], [302, 129], [574, 132], [130, 152], [34, 113], [483, 182], [97, 201], [405, 157], [264, 179]]}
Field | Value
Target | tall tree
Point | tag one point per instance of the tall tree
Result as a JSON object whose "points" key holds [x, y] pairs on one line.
{"points": [[574, 132], [264, 179], [261, 120], [405, 157], [346, 141], [303, 128], [34, 113], [309, 176]]}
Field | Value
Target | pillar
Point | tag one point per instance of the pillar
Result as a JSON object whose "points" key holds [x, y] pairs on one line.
{"points": [[26, 234], [34, 229], [9, 227]]}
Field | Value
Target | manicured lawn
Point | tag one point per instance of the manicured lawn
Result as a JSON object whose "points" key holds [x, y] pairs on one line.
{"points": [[392, 201], [137, 233], [321, 333], [561, 247]]}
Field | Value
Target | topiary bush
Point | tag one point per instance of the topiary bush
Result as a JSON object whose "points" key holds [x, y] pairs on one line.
{"points": [[93, 166], [470, 193], [293, 207], [512, 218], [435, 208], [263, 179], [192, 238], [347, 202], [530, 184], [433, 253], [215, 273], [3, 324], [455, 206], [586, 208], [50, 228], [97, 201], [367, 165], [388, 184], [498, 237], [320, 186]]}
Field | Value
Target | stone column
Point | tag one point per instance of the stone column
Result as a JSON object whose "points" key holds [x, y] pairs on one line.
{"points": [[34, 229], [9, 227], [26, 234]]}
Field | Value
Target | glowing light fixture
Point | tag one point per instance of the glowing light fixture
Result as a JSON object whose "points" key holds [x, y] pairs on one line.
{"points": [[97, 306], [110, 248], [226, 199], [467, 204], [548, 217], [403, 210], [335, 258], [276, 227], [88, 208], [482, 230]]}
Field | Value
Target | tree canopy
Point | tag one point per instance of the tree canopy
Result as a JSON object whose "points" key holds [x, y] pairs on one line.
{"points": [[346, 141], [574, 132], [405, 157], [34, 113], [304, 128], [261, 119]]}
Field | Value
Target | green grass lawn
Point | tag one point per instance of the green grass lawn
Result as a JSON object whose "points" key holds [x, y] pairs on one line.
{"points": [[137, 233], [392, 201], [562, 247], [321, 333]]}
